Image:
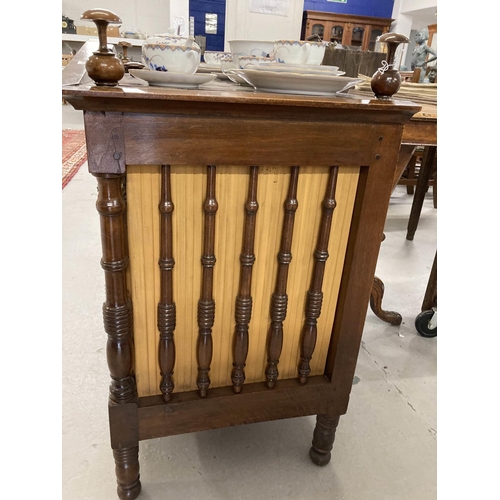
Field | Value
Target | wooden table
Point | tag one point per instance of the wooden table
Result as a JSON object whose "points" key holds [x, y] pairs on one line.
{"points": [[247, 226], [420, 131]]}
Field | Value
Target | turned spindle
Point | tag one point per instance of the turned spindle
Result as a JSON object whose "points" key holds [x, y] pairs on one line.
{"points": [[314, 299], [386, 81], [243, 309], [103, 66], [206, 304], [166, 306], [279, 299]]}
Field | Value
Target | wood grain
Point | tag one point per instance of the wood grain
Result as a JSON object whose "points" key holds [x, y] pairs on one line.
{"points": [[166, 316]]}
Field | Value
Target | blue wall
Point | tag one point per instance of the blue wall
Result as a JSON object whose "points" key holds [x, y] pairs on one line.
{"points": [[197, 9], [376, 8]]}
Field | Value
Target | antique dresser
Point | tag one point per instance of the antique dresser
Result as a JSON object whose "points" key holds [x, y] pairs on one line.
{"points": [[240, 234]]}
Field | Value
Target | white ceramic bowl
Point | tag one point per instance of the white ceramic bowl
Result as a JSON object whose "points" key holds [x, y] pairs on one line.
{"points": [[213, 58], [254, 60], [298, 52], [317, 53], [172, 58], [262, 48], [167, 52]]}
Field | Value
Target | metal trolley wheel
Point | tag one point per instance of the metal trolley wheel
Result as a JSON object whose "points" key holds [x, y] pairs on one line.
{"points": [[426, 323]]}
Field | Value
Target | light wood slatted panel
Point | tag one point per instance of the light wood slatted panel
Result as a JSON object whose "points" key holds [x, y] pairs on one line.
{"points": [[188, 192]]}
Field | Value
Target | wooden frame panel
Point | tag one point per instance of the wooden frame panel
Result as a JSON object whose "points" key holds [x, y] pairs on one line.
{"points": [[167, 126]]}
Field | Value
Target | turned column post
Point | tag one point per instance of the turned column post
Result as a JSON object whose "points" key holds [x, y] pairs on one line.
{"points": [[117, 315]]}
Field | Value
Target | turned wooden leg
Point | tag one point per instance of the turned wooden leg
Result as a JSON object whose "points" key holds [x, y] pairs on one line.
{"points": [[421, 189], [430, 297], [127, 472], [117, 317], [376, 297], [411, 174], [323, 438]]}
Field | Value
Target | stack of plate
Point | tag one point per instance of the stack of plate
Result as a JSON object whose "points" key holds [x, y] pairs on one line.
{"points": [[295, 78], [204, 68]]}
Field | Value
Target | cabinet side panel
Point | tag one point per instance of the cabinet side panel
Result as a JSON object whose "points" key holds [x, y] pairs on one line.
{"points": [[188, 191]]}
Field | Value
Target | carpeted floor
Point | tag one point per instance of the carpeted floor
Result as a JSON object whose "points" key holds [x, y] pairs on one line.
{"points": [[74, 153]]}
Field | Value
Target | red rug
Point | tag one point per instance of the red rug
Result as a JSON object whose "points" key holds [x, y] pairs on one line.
{"points": [[74, 153]]}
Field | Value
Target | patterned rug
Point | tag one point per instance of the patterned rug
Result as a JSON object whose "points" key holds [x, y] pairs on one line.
{"points": [[74, 153]]}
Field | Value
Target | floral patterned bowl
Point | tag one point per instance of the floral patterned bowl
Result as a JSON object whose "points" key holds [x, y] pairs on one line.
{"points": [[169, 52]]}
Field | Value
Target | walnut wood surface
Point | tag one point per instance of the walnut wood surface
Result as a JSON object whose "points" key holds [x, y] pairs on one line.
{"points": [[117, 309], [196, 127], [430, 297], [376, 297], [187, 412], [315, 293], [117, 315], [206, 304], [323, 438], [127, 472], [105, 142], [279, 300], [420, 190], [166, 306], [243, 310]]}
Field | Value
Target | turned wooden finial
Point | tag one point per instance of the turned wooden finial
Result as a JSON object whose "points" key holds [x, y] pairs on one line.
{"points": [[386, 81], [125, 45], [103, 66]]}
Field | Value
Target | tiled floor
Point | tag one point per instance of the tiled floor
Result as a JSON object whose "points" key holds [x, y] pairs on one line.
{"points": [[386, 443]]}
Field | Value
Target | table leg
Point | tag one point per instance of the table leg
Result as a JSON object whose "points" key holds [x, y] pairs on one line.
{"points": [[376, 297], [323, 438], [117, 316], [430, 297], [422, 183], [377, 293]]}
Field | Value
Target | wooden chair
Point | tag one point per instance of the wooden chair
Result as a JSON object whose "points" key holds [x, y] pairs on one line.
{"points": [[410, 175], [414, 76]]}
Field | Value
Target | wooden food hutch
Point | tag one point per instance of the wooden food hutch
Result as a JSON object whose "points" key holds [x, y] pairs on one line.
{"points": [[240, 234], [345, 29]]}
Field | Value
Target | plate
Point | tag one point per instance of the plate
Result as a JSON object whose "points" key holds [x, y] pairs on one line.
{"points": [[208, 68], [235, 78], [296, 83], [167, 79], [298, 68]]}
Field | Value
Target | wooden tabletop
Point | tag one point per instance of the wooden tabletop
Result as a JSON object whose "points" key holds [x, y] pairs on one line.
{"points": [[421, 129], [150, 93]]}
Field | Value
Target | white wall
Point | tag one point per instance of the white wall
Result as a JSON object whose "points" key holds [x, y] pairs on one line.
{"points": [[241, 24], [415, 5], [148, 16], [409, 16]]}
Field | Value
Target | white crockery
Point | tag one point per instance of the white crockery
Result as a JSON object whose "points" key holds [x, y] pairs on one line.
{"points": [[262, 48], [177, 80], [299, 68], [298, 52], [213, 58], [243, 61], [167, 52], [296, 83]]}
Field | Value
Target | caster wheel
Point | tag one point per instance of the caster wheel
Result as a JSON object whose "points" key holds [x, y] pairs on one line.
{"points": [[422, 324]]}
